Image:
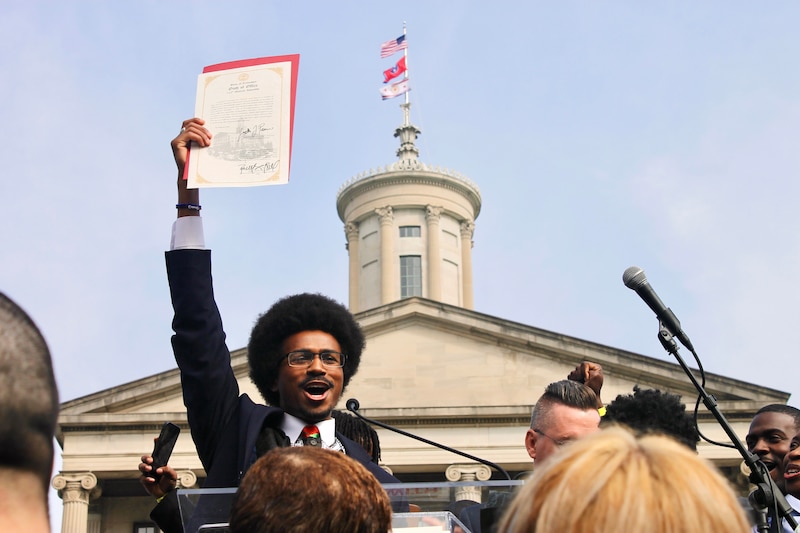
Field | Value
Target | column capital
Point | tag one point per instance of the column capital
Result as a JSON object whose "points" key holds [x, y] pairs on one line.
{"points": [[467, 229], [433, 213], [386, 214], [468, 472], [351, 230], [186, 479], [76, 486]]}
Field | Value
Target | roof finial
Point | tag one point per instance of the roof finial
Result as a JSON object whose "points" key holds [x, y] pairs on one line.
{"points": [[408, 134]]}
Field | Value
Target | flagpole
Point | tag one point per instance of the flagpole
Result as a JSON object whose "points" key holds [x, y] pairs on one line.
{"points": [[397, 88], [407, 105]]}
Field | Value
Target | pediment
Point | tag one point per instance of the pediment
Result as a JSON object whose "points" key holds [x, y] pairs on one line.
{"points": [[424, 356], [426, 359]]}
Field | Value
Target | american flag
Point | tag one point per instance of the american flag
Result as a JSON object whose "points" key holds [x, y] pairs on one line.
{"points": [[395, 45]]}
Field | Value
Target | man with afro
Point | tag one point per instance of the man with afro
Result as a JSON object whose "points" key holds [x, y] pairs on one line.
{"points": [[302, 353]]}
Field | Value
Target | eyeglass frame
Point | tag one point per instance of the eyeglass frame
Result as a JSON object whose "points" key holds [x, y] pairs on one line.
{"points": [[557, 442], [314, 355]]}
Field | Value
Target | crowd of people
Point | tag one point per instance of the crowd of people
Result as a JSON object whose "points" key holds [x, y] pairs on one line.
{"points": [[300, 465]]}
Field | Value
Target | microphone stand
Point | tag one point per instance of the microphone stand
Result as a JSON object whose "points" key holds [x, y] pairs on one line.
{"points": [[353, 405], [766, 490]]}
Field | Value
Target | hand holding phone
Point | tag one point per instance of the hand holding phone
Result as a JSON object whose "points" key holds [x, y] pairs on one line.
{"points": [[163, 447]]}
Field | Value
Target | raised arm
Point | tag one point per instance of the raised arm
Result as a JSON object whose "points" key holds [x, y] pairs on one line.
{"points": [[591, 375], [210, 389], [192, 130]]}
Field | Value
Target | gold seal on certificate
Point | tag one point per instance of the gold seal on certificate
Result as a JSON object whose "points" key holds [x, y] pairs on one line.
{"points": [[248, 107]]}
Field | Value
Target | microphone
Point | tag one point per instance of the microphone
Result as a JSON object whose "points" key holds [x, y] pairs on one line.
{"points": [[634, 279], [353, 406]]}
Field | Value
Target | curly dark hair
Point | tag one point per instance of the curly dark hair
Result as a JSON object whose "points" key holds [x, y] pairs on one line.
{"points": [[359, 431], [293, 314], [653, 411]]}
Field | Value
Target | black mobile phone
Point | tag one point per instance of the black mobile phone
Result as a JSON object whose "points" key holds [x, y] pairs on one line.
{"points": [[163, 447]]}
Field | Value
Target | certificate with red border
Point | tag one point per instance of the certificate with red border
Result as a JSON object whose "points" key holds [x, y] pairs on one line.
{"points": [[248, 107]]}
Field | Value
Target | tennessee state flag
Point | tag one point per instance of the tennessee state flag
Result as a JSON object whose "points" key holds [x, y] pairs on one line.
{"points": [[395, 71]]}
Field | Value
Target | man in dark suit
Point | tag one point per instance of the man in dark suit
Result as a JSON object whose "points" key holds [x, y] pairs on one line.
{"points": [[302, 353]]}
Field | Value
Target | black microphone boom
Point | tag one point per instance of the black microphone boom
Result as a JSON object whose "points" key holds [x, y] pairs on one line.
{"points": [[353, 406], [768, 492], [634, 279]]}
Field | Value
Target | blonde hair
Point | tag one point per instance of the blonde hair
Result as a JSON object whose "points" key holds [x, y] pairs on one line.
{"points": [[613, 481]]}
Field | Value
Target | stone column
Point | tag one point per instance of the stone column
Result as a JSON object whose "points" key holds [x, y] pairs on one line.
{"points": [[94, 523], [433, 215], [75, 489], [467, 229], [351, 231], [468, 472], [387, 245]]}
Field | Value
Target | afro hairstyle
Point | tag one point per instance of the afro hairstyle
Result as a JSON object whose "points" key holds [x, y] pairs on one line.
{"points": [[293, 314], [653, 411]]}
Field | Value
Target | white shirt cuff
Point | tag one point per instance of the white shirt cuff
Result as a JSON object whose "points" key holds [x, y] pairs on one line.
{"points": [[187, 234]]}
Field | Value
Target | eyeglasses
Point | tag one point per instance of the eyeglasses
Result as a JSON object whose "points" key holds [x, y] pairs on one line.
{"points": [[306, 358], [555, 441]]}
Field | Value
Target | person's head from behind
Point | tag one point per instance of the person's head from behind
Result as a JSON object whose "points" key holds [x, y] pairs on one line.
{"points": [[303, 352], [613, 481], [653, 411], [770, 434], [566, 411], [28, 405], [300, 489]]}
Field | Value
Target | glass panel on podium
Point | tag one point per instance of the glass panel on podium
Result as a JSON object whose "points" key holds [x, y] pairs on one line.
{"points": [[435, 507], [205, 510], [442, 506], [427, 522]]}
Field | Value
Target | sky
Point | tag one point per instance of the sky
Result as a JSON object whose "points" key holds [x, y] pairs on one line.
{"points": [[601, 135]]}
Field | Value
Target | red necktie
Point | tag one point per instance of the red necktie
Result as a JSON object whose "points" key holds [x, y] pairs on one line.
{"points": [[311, 436]]}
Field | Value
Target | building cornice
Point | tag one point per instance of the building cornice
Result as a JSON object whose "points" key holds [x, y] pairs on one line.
{"points": [[570, 350], [396, 174]]}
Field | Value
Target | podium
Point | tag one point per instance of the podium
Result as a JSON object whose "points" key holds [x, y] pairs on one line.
{"points": [[438, 503], [427, 522], [421, 507], [205, 510]]}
